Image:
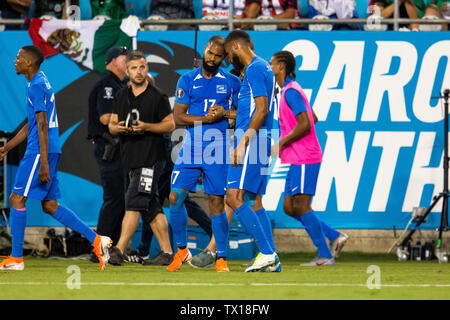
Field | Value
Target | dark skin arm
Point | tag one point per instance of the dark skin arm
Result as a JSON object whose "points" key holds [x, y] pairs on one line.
{"points": [[219, 112], [261, 112], [14, 142], [182, 118], [42, 125]]}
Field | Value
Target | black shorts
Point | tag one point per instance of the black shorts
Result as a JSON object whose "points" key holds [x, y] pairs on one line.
{"points": [[147, 204]]}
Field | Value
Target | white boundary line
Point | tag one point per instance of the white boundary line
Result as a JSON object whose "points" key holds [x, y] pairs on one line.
{"points": [[199, 284]]}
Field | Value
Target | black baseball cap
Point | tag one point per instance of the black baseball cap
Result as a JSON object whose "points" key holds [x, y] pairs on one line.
{"points": [[114, 52]]}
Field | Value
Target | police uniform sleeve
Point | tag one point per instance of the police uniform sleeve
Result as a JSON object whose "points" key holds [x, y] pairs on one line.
{"points": [[182, 91], [37, 98], [105, 100], [255, 76]]}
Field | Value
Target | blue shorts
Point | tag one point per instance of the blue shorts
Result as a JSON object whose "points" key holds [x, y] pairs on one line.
{"points": [[302, 179], [252, 175], [27, 182], [185, 176]]}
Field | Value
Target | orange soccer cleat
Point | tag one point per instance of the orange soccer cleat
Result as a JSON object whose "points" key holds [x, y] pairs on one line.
{"points": [[182, 255], [11, 263], [101, 245], [222, 265]]}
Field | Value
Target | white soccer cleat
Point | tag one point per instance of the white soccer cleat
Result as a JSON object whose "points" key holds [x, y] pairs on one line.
{"points": [[337, 244], [319, 261], [263, 262]]}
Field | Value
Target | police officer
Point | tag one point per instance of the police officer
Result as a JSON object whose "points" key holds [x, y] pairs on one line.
{"points": [[106, 147]]}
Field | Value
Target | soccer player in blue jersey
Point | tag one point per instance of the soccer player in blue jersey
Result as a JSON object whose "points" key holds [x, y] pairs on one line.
{"points": [[36, 177], [202, 103], [247, 177]]}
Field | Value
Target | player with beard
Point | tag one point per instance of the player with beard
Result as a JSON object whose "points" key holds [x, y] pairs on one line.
{"points": [[247, 176], [202, 104]]}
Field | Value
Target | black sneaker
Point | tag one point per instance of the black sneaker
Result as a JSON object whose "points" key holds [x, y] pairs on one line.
{"points": [[115, 257], [162, 259], [93, 257], [134, 257]]}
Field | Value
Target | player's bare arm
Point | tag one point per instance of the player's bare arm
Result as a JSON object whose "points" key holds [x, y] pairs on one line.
{"points": [[115, 127], [167, 125], [261, 112], [182, 118], [14, 142], [42, 125], [315, 117], [220, 112]]}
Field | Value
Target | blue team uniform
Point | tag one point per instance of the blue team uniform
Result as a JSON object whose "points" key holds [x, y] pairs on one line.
{"points": [[40, 97], [205, 148], [251, 176]]}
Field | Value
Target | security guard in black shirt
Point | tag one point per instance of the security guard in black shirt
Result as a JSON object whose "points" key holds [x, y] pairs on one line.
{"points": [[106, 147]]}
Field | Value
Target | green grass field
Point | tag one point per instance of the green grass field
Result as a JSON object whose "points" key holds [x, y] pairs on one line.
{"points": [[47, 279]]}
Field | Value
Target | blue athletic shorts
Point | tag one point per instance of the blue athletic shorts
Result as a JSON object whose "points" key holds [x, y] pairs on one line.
{"points": [[185, 176], [27, 183], [250, 177], [252, 174], [302, 179]]}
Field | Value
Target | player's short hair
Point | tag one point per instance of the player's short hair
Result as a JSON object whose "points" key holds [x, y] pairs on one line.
{"points": [[238, 35], [135, 55], [289, 61], [217, 40], [36, 54]]}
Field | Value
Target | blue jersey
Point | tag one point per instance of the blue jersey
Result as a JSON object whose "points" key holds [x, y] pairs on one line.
{"points": [[258, 81], [40, 97], [199, 93]]}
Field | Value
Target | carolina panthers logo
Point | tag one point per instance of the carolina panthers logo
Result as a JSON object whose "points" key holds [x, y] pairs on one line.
{"points": [[167, 61]]}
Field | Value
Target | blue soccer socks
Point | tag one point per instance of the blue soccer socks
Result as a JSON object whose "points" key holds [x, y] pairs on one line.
{"points": [[178, 221], [18, 222], [220, 231], [330, 233], [251, 223], [68, 218], [314, 229], [266, 226]]}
